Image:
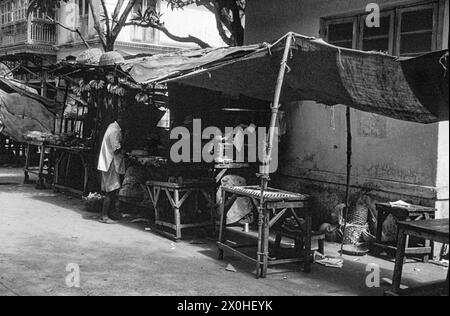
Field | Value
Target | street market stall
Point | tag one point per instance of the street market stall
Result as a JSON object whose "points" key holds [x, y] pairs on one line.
{"points": [[297, 68]]}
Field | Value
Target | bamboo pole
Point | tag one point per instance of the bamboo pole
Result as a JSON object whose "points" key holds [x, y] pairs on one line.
{"points": [[265, 172], [349, 173]]}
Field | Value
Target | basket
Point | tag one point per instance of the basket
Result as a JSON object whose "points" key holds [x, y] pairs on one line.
{"points": [[354, 233], [93, 205], [90, 57], [111, 59]]}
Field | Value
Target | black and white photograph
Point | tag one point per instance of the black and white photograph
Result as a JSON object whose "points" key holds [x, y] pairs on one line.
{"points": [[224, 154]]}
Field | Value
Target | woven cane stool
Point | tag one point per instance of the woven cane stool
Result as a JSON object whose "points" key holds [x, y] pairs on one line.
{"points": [[272, 207]]}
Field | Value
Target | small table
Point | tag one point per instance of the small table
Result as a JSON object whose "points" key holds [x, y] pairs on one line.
{"points": [[276, 203], [40, 170], [84, 154], [178, 194], [436, 230], [404, 213]]}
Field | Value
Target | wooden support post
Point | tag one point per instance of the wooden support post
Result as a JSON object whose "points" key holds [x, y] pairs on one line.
{"points": [[265, 172], [349, 172]]}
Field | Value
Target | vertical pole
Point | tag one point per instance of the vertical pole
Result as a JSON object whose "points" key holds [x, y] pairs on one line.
{"points": [[66, 97], [349, 172], [268, 153]]}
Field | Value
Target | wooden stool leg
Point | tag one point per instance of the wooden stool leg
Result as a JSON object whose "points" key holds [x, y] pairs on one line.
{"points": [[299, 245], [428, 244], [276, 251], [27, 164], [265, 251], [308, 238], [177, 214], [399, 261], [40, 183], [223, 223], [322, 246]]}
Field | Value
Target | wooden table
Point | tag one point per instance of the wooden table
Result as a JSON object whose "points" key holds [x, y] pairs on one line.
{"points": [[404, 213], [40, 170], [436, 230], [178, 194], [84, 153], [276, 206]]}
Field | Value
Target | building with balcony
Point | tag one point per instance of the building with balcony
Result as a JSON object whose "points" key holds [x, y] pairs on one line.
{"points": [[38, 36], [20, 34], [193, 20]]}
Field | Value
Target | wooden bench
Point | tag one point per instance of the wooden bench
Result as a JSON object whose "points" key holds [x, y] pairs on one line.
{"points": [[435, 230]]}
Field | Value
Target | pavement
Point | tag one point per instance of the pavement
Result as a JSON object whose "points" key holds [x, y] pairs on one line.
{"points": [[44, 234]]}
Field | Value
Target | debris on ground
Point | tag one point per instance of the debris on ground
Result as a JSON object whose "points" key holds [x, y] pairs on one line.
{"points": [[328, 262], [230, 268]]}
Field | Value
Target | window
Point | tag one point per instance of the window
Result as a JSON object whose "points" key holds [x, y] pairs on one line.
{"points": [[342, 32], [378, 38], [83, 7], [404, 31], [416, 33], [140, 34]]}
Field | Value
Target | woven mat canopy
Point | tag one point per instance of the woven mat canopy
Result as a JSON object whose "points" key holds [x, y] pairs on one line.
{"points": [[414, 89]]}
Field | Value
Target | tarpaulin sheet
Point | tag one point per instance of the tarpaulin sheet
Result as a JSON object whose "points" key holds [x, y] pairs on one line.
{"points": [[15, 86], [19, 115], [413, 89]]}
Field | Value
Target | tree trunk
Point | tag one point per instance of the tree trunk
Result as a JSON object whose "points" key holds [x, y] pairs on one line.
{"points": [[109, 45]]}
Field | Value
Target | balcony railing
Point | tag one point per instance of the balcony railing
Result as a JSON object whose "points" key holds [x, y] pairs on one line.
{"points": [[35, 31]]}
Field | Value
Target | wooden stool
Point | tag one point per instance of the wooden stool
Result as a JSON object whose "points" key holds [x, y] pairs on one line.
{"points": [[401, 214], [277, 204], [299, 239], [178, 195]]}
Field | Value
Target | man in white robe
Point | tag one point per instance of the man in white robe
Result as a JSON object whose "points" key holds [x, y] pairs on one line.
{"points": [[111, 163]]}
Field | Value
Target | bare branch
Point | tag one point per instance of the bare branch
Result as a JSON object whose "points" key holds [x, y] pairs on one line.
{"points": [[97, 25], [73, 30], [222, 33], [107, 20], [162, 28], [123, 19], [116, 13]]}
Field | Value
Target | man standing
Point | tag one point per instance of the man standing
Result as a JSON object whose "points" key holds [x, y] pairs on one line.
{"points": [[112, 165]]}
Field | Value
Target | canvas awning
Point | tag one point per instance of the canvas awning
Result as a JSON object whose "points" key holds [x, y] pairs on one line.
{"points": [[414, 89], [20, 114]]}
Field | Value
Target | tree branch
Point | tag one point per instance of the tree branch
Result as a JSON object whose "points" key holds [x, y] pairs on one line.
{"points": [[123, 19], [107, 20], [116, 13], [219, 24], [74, 30], [97, 25], [162, 28]]}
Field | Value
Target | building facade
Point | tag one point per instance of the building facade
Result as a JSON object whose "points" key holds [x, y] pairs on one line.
{"points": [[392, 159], [20, 34], [193, 20]]}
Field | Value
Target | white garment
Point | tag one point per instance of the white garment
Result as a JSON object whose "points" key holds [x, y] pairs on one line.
{"points": [[112, 142]]}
